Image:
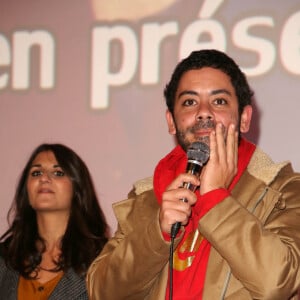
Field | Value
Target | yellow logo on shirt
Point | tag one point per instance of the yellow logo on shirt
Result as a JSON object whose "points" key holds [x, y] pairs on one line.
{"points": [[185, 252]]}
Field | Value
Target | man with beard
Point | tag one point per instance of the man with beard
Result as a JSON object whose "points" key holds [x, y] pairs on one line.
{"points": [[240, 230]]}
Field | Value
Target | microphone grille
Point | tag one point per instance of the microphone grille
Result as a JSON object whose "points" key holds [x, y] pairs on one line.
{"points": [[198, 151]]}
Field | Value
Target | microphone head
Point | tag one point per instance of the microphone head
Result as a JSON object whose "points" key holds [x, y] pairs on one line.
{"points": [[199, 152]]}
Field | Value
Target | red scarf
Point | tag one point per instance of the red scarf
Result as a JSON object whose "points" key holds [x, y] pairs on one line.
{"points": [[190, 262]]}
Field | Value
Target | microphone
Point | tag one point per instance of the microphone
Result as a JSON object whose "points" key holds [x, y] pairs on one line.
{"points": [[197, 155]]}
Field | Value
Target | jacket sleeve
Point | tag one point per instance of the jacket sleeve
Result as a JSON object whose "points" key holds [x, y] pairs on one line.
{"points": [[260, 242], [131, 261]]}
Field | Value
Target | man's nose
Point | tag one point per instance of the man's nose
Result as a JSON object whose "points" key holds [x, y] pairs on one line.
{"points": [[204, 112]]}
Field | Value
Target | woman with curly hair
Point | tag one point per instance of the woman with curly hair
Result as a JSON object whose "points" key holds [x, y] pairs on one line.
{"points": [[56, 228]]}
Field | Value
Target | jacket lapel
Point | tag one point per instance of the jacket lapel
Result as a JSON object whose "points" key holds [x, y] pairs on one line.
{"points": [[71, 286]]}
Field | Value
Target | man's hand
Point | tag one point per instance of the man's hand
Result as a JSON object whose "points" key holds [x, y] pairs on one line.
{"points": [[222, 165], [173, 209]]}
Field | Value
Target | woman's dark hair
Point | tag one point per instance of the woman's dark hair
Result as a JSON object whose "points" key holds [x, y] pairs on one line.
{"points": [[86, 232], [213, 59]]}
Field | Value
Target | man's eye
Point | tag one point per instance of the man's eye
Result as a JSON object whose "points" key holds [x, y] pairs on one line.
{"points": [[189, 102], [59, 173], [220, 101]]}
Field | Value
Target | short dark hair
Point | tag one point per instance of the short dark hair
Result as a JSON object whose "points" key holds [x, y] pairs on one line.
{"points": [[214, 59], [86, 232]]}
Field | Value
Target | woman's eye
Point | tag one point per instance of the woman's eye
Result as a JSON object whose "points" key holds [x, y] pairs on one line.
{"points": [[59, 173], [36, 173], [55, 173]]}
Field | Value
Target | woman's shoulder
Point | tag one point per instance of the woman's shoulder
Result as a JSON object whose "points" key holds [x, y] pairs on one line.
{"points": [[3, 266]]}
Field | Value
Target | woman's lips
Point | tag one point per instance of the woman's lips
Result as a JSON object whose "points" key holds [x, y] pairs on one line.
{"points": [[45, 191]]}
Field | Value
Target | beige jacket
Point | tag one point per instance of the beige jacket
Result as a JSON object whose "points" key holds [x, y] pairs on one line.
{"points": [[254, 234]]}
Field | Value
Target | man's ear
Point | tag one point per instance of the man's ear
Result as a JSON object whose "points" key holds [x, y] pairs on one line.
{"points": [[246, 119], [170, 122]]}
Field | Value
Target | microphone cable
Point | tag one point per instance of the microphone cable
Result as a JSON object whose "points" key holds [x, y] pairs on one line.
{"points": [[174, 230], [173, 234]]}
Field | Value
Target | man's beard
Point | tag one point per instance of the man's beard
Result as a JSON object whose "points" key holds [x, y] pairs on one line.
{"points": [[182, 136], [200, 125]]}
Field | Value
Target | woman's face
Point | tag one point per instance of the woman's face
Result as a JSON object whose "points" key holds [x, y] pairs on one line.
{"points": [[49, 189]]}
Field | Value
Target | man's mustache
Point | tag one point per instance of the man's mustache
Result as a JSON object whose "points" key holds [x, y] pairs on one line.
{"points": [[203, 124]]}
